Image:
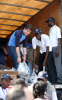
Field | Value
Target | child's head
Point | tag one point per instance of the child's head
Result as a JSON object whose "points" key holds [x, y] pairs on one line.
{"points": [[5, 79], [20, 81], [39, 89]]}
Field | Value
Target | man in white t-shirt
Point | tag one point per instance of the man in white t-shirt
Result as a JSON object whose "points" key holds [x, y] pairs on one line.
{"points": [[55, 41], [5, 79], [45, 56]]}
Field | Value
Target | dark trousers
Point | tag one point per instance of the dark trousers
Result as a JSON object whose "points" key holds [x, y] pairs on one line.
{"points": [[58, 94], [41, 60], [51, 70], [50, 66], [57, 62]]}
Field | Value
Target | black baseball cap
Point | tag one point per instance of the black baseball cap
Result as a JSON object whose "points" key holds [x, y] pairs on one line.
{"points": [[38, 30], [51, 19], [6, 76]]}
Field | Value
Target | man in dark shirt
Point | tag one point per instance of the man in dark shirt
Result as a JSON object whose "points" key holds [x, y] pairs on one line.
{"points": [[14, 42]]}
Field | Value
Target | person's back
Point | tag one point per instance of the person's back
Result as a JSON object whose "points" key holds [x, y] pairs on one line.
{"points": [[50, 89]]}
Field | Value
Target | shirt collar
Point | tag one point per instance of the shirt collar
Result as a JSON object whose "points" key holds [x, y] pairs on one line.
{"points": [[52, 26]]}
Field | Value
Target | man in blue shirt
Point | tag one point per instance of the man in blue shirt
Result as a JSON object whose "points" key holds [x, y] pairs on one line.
{"points": [[14, 42]]}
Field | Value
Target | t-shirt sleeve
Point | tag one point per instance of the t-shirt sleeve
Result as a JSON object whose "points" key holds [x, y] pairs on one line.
{"points": [[17, 38], [34, 43], [58, 33]]}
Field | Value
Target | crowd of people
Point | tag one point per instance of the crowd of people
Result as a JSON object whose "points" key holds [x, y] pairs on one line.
{"points": [[49, 56], [40, 90]]}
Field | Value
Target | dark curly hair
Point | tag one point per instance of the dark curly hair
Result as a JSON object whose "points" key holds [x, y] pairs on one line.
{"points": [[39, 89]]}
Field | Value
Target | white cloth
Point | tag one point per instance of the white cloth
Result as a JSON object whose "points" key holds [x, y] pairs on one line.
{"points": [[42, 44], [51, 91], [54, 34], [3, 93], [54, 96]]}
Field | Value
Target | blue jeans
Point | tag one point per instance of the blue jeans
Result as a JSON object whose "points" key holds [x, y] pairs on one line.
{"points": [[13, 55], [58, 94], [2, 59], [30, 67]]}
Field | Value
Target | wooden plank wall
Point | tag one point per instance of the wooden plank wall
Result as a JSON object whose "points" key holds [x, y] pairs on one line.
{"points": [[52, 10]]}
